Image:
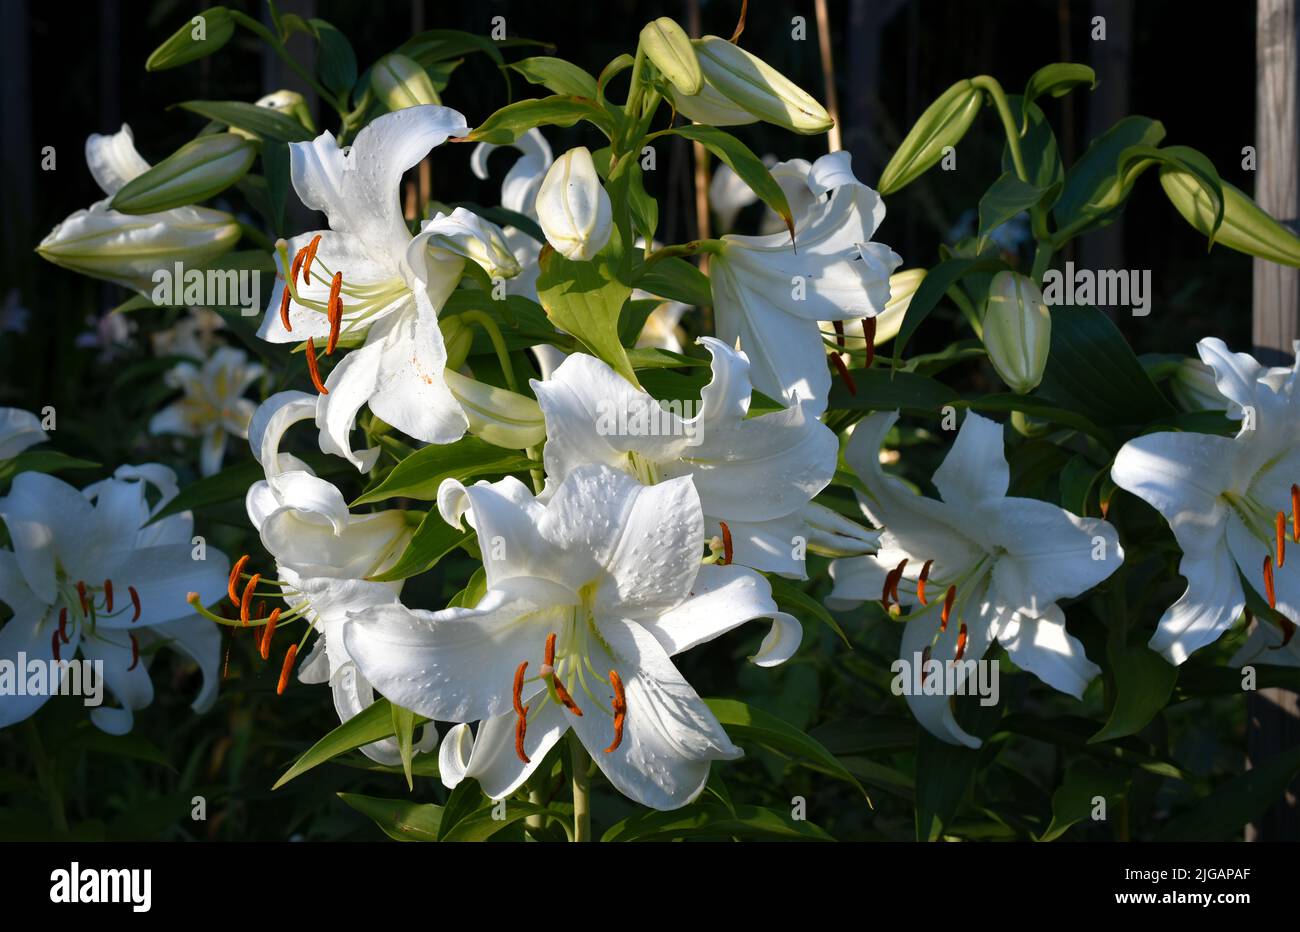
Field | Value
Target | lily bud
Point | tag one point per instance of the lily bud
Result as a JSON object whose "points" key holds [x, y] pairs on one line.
{"points": [[902, 287], [401, 82], [482, 242], [833, 535], [499, 417], [127, 249], [754, 85], [199, 37], [670, 49], [710, 107], [573, 209], [457, 338], [943, 124], [1017, 331], [1246, 226], [291, 104], [196, 171]]}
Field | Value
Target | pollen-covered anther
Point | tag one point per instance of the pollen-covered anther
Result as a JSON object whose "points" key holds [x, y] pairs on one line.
{"points": [[839, 333], [63, 625], [521, 732], [1268, 582], [925, 570], [81, 596], [897, 577], [1281, 539], [948, 598], [108, 595], [889, 591], [232, 588], [312, 368], [869, 334], [246, 599], [54, 643], [620, 710], [334, 311], [135, 653], [286, 668], [517, 693], [307, 260], [268, 632], [296, 266], [135, 603], [961, 641], [727, 550], [1295, 513], [843, 371]]}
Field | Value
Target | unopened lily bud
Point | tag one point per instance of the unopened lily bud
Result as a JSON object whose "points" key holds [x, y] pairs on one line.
{"points": [[457, 338], [128, 249], [499, 417], [196, 171], [401, 82], [573, 209], [1017, 331], [1193, 385], [482, 242], [902, 288], [943, 124], [291, 104], [1246, 227], [199, 37], [754, 85], [833, 535], [711, 108], [669, 48]]}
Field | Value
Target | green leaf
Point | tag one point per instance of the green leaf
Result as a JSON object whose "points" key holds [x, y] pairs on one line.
{"points": [[790, 598], [1007, 197], [1143, 685], [747, 724], [432, 540], [399, 819], [677, 280], [711, 820], [1038, 149], [1091, 369], [337, 63], [131, 745], [1058, 80], [262, 121], [275, 168], [513, 120], [740, 158], [373, 723], [182, 47], [1036, 407], [884, 390], [932, 289], [556, 75], [584, 299], [1094, 187], [481, 824], [420, 474], [944, 771], [943, 124], [41, 461], [1073, 800], [404, 731], [1220, 815]]}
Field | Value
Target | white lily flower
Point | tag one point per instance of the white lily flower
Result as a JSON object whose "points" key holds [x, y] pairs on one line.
{"points": [[1226, 500], [661, 329], [323, 555], [212, 406], [771, 296], [753, 475], [573, 207], [19, 430], [975, 567], [594, 591], [125, 249], [196, 335], [391, 285], [87, 574]]}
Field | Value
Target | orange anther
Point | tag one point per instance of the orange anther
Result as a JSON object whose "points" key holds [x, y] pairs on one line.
{"points": [[727, 550], [306, 262], [284, 670], [843, 371], [925, 572], [1268, 582], [620, 710], [947, 607], [135, 653], [268, 632], [312, 370], [869, 334], [247, 598], [135, 603], [108, 595], [518, 692], [235, 572]]}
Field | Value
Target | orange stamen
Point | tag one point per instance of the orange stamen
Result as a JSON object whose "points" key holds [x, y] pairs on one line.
{"points": [[264, 647], [336, 323], [839, 333], [961, 640], [727, 551], [291, 653], [898, 575], [63, 624], [843, 371], [520, 708], [620, 710], [550, 650], [565, 698], [135, 603], [284, 310], [296, 266], [108, 595], [947, 607], [135, 653], [521, 732], [1268, 582], [311, 254], [235, 573], [1295, 514], [81, 594], [869, 334], [54, 640], [1281, 539], [247, 598], [312, 370], [925, 571]]}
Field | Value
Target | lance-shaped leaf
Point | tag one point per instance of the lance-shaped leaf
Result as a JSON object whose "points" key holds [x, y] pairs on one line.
{"points": [[1095, 185], [584, 300], [740, 158], [556, 75], [1057, 79], [261, 121], [513, 120]]}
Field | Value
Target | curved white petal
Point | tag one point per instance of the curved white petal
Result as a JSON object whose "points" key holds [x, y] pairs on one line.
{"points": [[113, 159], [975, 468], [1212, 601], [19, 430], [1042, 646], [505, 515], [131, 687]]}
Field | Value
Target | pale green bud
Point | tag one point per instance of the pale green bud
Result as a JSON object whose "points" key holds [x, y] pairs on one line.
{"points": [[670, 50], [400, 82], [497, 416], [1017, 331], [755, 86], [196, 171]]}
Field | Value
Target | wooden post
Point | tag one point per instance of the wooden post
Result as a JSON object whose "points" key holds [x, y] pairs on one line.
{"points": [[1273, 723]]}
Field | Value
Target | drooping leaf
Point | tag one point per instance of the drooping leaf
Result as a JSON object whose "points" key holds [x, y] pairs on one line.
{"points": [[420, 474], [399, 819], [373, 723], [433, 539], [740, 158], [1143, 684], [1076, 798], [556, 75], [263, 121]]}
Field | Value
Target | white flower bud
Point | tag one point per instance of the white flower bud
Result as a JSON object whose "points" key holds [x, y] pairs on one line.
{"points": [[400, 82], [498, 416], [573, 208], [754, 85], [1017, 331]]}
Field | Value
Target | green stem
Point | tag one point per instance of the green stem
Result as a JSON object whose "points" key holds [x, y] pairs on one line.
{"points": [[45, 775], [1042, 259], [498, 344], [693, 248], [581, 764], [994, 90], [958, 297], [277, 46]]}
